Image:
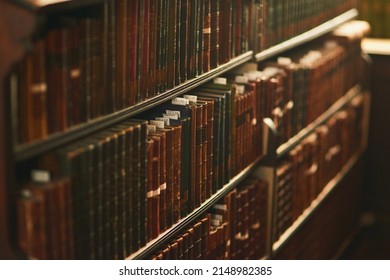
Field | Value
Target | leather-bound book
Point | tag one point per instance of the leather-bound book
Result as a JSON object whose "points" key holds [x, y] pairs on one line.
{"points": [[176, 195], [121, 54], [205, 228], [208, 141], [149, 194], [33, 112], [197, 239], [186, 245], [31, 225], [206, 36], [57, 42], [214, 34], [184, 38], [180, 248], [178, 74], [162, 185]]}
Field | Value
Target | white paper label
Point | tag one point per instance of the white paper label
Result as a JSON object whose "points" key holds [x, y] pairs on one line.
{"points": [[40, 176], [220, 81], [192, 98], [158, 124], [241, 79], [180, 101], [240, 89], [172, 117], [151, 128], [164, 119], [170, 112]]}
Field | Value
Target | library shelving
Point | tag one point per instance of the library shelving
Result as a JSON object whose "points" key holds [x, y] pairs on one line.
{"points": [[15, 155]]}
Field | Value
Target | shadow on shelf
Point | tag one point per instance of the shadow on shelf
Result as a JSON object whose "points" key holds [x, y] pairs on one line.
{"points": [[371, 243]]}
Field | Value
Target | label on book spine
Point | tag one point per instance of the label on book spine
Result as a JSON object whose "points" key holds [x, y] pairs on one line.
{"points": [[220, 81], [172, 117], [171, 113], [163, 186], [180, 101], [158, 124], [192, 98], [151, 128], [164, 119], [240, 89], [241, 79], [40, 176]]}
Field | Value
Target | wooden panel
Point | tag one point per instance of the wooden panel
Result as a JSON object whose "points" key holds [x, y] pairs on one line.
{"points": [[15, 24]]}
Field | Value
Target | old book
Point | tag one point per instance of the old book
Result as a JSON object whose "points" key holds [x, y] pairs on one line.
{"points": [[197, 240], [217, 135], [176, 196], [228, 91], [33, 95], [32, 239], [214, 34], [205, 226], [57, 42]]}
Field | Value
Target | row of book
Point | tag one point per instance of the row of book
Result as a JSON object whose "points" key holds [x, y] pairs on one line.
{"points": [[305, 171], [376, 12], [108, 57], [285, 19], [102, 58], [234, 228], [307, 81], [131, 182]]}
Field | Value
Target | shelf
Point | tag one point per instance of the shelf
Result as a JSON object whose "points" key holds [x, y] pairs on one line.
{"points": [[317, 202], [182, 224], [29, 150], [295, 140], [307, 36]]}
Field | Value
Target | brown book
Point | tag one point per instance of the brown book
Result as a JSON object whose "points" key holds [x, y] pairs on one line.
{"points": [[163, 179], [224, 22], [57, 53], [205, 228], [209, 138], [214, 34], [197, 239], [132, 51], [33, 95], [190, 232], [179, 248], [121, 54], [186, 245], [206, 35], [169, 200], [32, 225], [150, 213], [176, 204]]}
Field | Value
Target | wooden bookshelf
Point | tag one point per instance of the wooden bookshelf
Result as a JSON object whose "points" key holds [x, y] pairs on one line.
{"points": [[316, 203], [13, 155], [29, 150]]}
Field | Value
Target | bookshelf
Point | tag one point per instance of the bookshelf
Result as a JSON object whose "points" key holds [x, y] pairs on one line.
{"points": [[18, 154], [311, 210], [26, 151]]}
